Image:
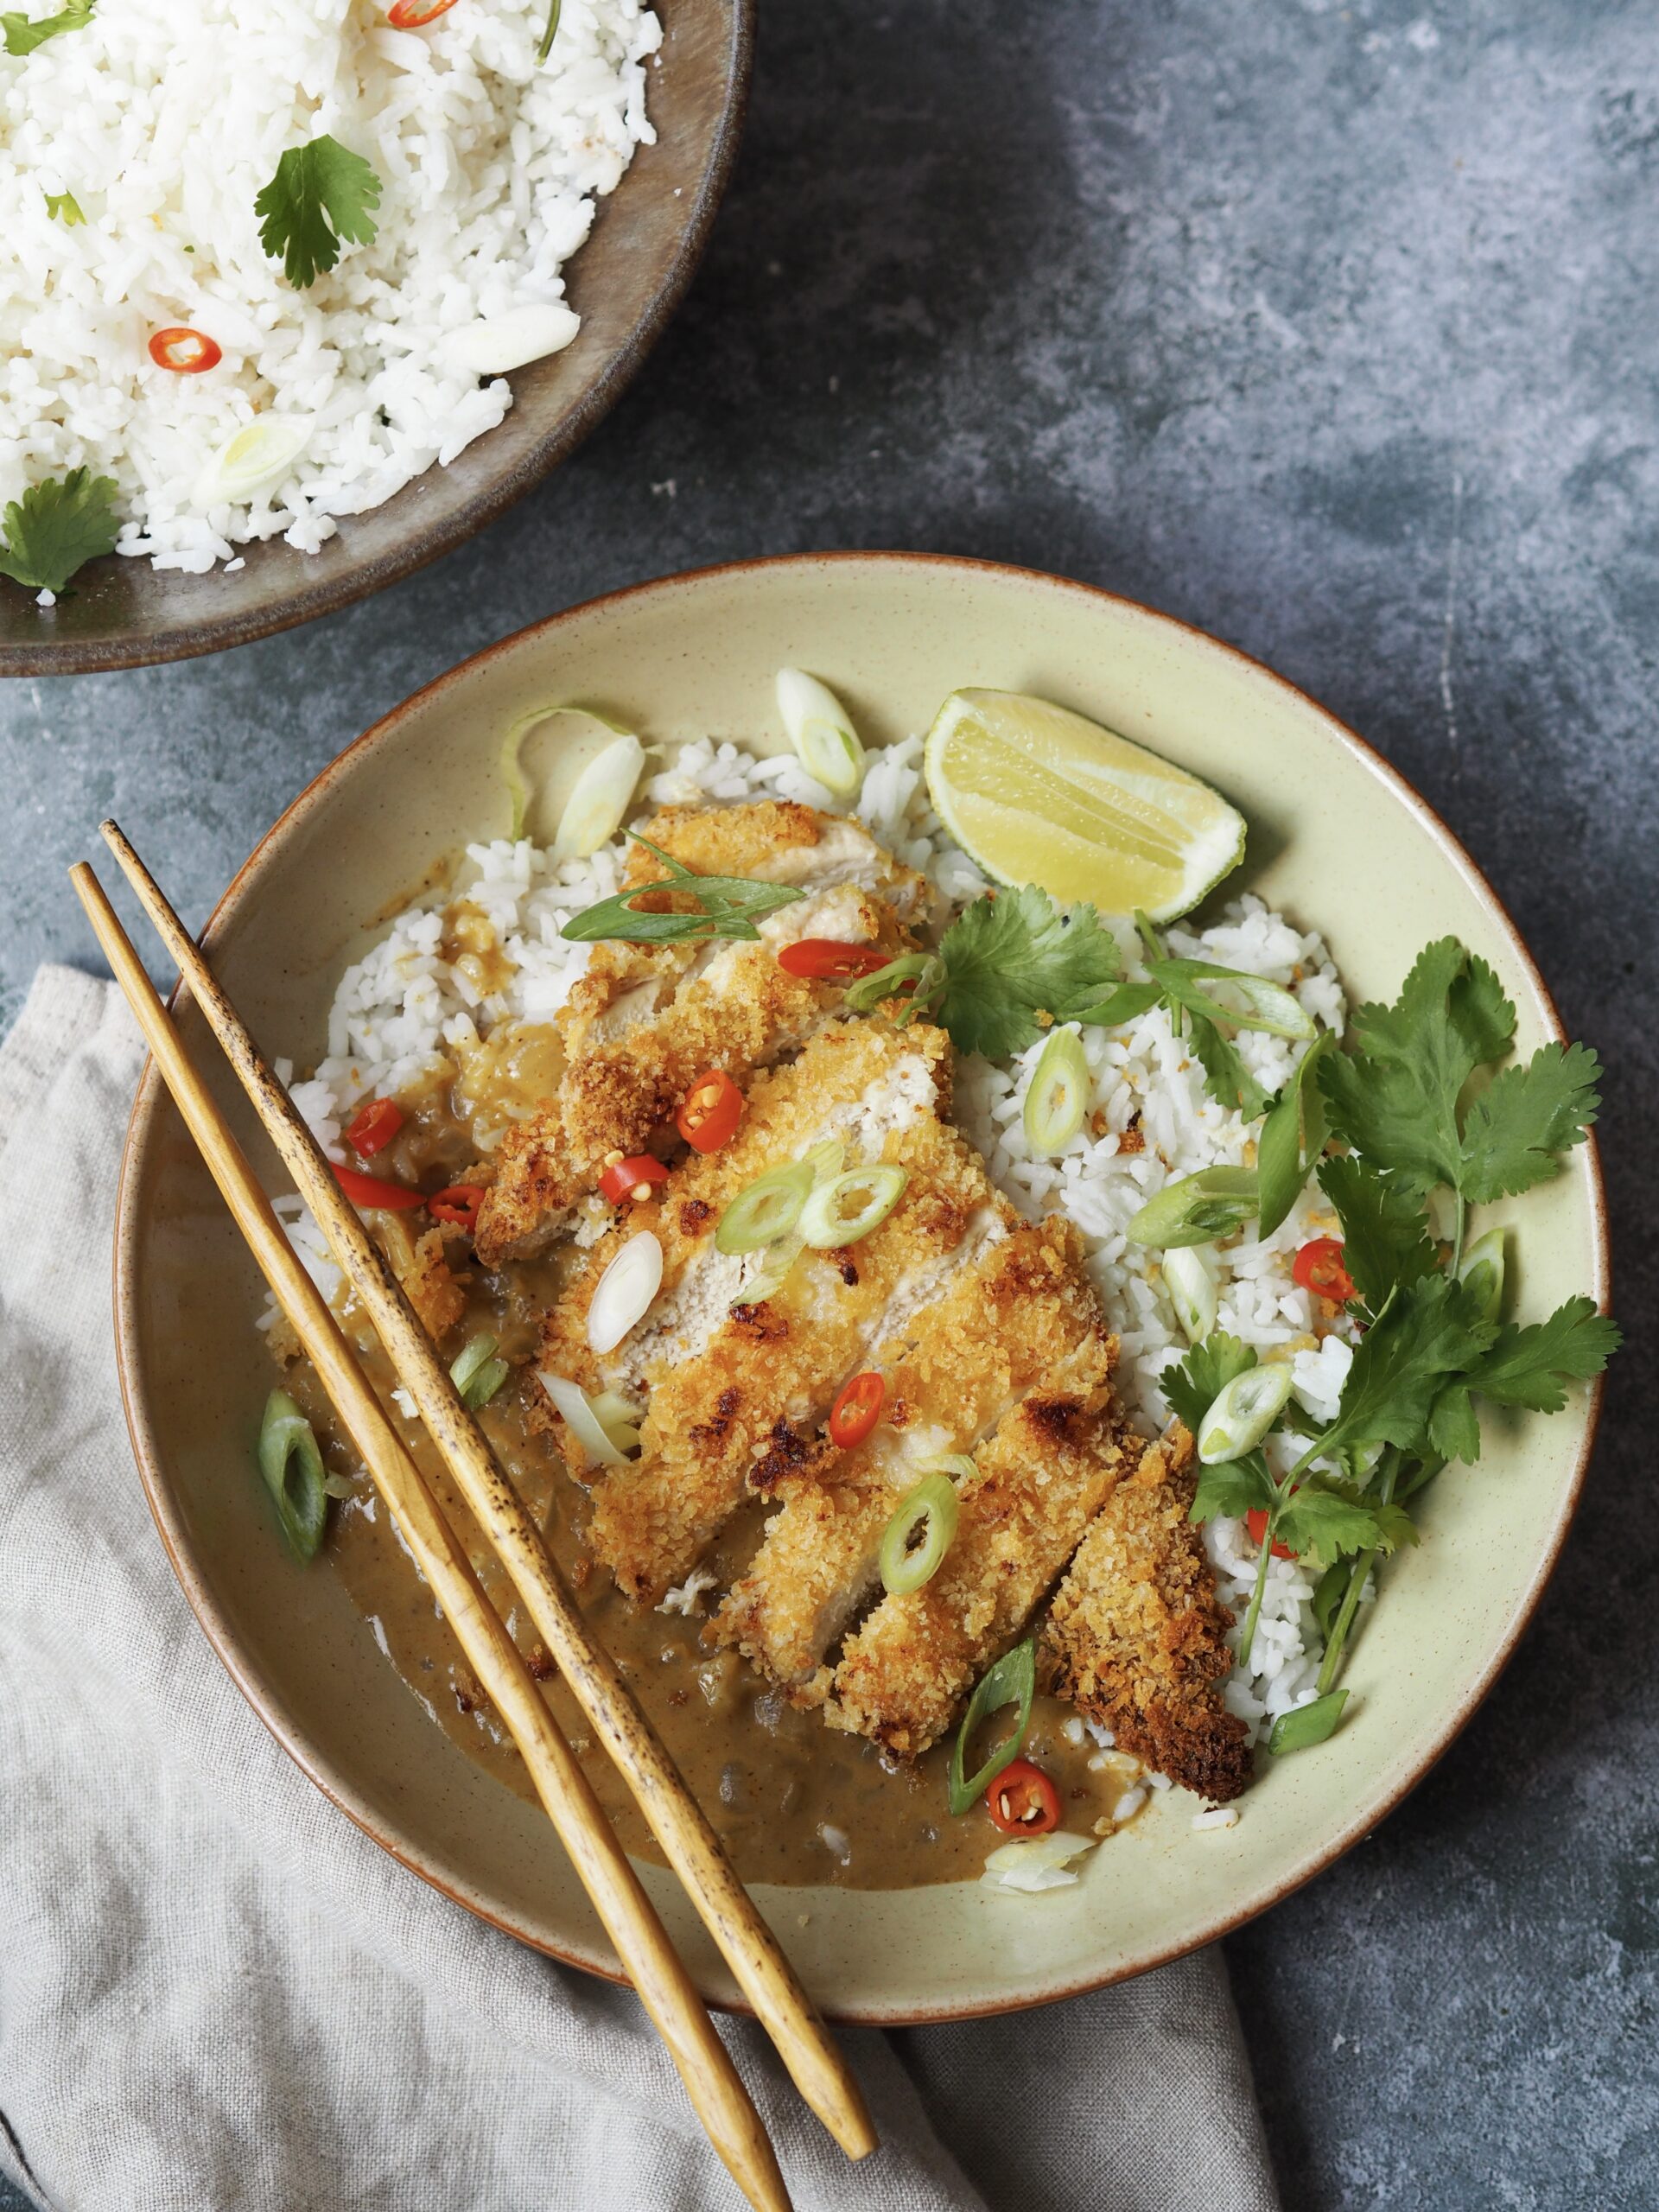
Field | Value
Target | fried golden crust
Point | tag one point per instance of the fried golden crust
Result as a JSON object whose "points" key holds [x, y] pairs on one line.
{"points": [[1036, 1486], [1020, 1311], [736, 1390], [1136, 1637], [645, 1020]]}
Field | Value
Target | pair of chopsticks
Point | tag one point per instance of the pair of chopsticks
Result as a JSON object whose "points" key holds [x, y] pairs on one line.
{"points": [[691, 1845]]}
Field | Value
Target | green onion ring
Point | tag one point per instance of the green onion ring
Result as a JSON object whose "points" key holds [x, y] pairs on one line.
{"points": [[932, 1503], [1013, 1681], [824, 1222], [1243, 1412], [1197, 1208], [768, 1211], [292, 1467], [477, 1373], [1058, 1094]]}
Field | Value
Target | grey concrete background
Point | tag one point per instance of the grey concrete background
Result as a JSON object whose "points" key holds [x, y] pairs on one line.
{"points": [[1331, 329]]}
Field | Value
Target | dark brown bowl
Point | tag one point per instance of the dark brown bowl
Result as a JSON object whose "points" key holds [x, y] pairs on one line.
{"points": [[624, 283]]}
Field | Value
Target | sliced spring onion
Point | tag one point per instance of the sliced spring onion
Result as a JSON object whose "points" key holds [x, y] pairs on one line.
{"points": [[1040, 1863], [768, 1211], [476, 1372], [1191, 1290], [776, 1265], [592, 813], [1304, 1726], [497, 343], [932, 1507], [579, 1418], [1270, 1007], [1058, 1094], [1013, 1681], [1197, 1209], [1239, 1419], [625, 1291], [512, 773], [254, 458], [850, 1205], [292, 1467], [1481, 1272], [617, 1418], [821, 730]]}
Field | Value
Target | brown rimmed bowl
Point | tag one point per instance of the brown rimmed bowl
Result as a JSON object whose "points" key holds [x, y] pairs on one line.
{"points": [[1338, 838], [625, 283]]}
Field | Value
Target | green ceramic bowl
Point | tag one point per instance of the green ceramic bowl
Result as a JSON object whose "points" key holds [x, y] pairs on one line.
{"points": [[1336, 837]]}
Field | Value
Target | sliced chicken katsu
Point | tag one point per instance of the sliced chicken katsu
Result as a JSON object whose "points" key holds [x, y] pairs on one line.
{"points": [[735, 1390], [646, 1020], [1036, 1486], [1017, 1311], [1137, 1638]]}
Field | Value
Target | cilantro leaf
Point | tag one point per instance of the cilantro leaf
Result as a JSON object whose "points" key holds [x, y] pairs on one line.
{"points": [[1453, 1425], [1235, 1487], [65, 208], [56, 526], [1395, 1099], [1192, 1384], [321, 194], [1426, 1332], [1012, 955], [1292, 1138], [1385, 1231], [1528, 1367], [22, 36], [1527, 1117], [1226, 1078], [1326, 1520]]}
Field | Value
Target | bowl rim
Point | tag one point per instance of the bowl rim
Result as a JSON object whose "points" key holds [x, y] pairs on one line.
{"points": [[150, 1095], [312, 599]]}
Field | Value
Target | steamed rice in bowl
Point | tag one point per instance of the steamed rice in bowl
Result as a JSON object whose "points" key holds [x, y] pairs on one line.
{"points": [[414, 1006], [133, 148]]}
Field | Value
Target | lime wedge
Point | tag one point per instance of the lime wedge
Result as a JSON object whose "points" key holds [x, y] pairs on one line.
{"points": [[1035, 794]]}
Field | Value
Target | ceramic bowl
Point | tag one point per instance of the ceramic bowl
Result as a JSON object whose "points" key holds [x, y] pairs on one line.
{"points": [[625, 283], [1336, 837]]}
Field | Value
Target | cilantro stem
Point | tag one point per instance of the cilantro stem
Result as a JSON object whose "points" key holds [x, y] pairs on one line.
{"points": [[1330, 1666], [1457, 1242], [1256, 1595]]}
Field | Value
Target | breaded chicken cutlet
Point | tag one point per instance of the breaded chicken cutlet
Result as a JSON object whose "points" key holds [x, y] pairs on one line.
{"points": [[647, 1020]]}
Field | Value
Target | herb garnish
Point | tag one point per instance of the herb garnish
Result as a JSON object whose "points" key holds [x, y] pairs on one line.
{"points": [[321, 194], [22, 36], [727, 906], [1009, 967], [1396, 1099], [56, 526], [64, 208], [555, 10], [1432, 1346]]}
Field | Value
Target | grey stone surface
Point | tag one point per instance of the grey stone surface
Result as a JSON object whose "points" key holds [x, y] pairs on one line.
{"points": [[1331, 329]]}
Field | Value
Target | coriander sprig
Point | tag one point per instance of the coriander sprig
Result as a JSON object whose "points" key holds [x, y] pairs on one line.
{"points": [[723, 905], [56, 527], [321, 194]]}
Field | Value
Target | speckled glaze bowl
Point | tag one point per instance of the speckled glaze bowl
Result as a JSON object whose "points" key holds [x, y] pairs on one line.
{"points": [[625, 283], [1336, 837]]}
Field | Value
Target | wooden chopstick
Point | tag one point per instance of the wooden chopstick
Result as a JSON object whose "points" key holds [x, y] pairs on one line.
{"points": [[692, 1848], [630, 1919]]}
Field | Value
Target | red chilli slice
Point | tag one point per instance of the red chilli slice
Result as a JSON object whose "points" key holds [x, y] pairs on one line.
{"points": [[458, 1205], [1256, 1522], [710, 1111], [632, 1178], [374, 1127], [185, 351], [1022, 1800], [826, 960], [375, 1190], [1319, 1266], [857, 1409], [416, 14]]}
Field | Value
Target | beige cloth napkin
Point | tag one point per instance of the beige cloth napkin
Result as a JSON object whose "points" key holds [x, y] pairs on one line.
{"points": [[215, 1993]]}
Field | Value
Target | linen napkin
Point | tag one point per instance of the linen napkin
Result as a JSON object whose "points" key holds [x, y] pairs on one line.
{"points": [[215, 1993]]}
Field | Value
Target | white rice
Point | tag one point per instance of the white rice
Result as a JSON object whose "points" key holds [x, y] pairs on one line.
{"points": [[398, 1009], [165, 119]]}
